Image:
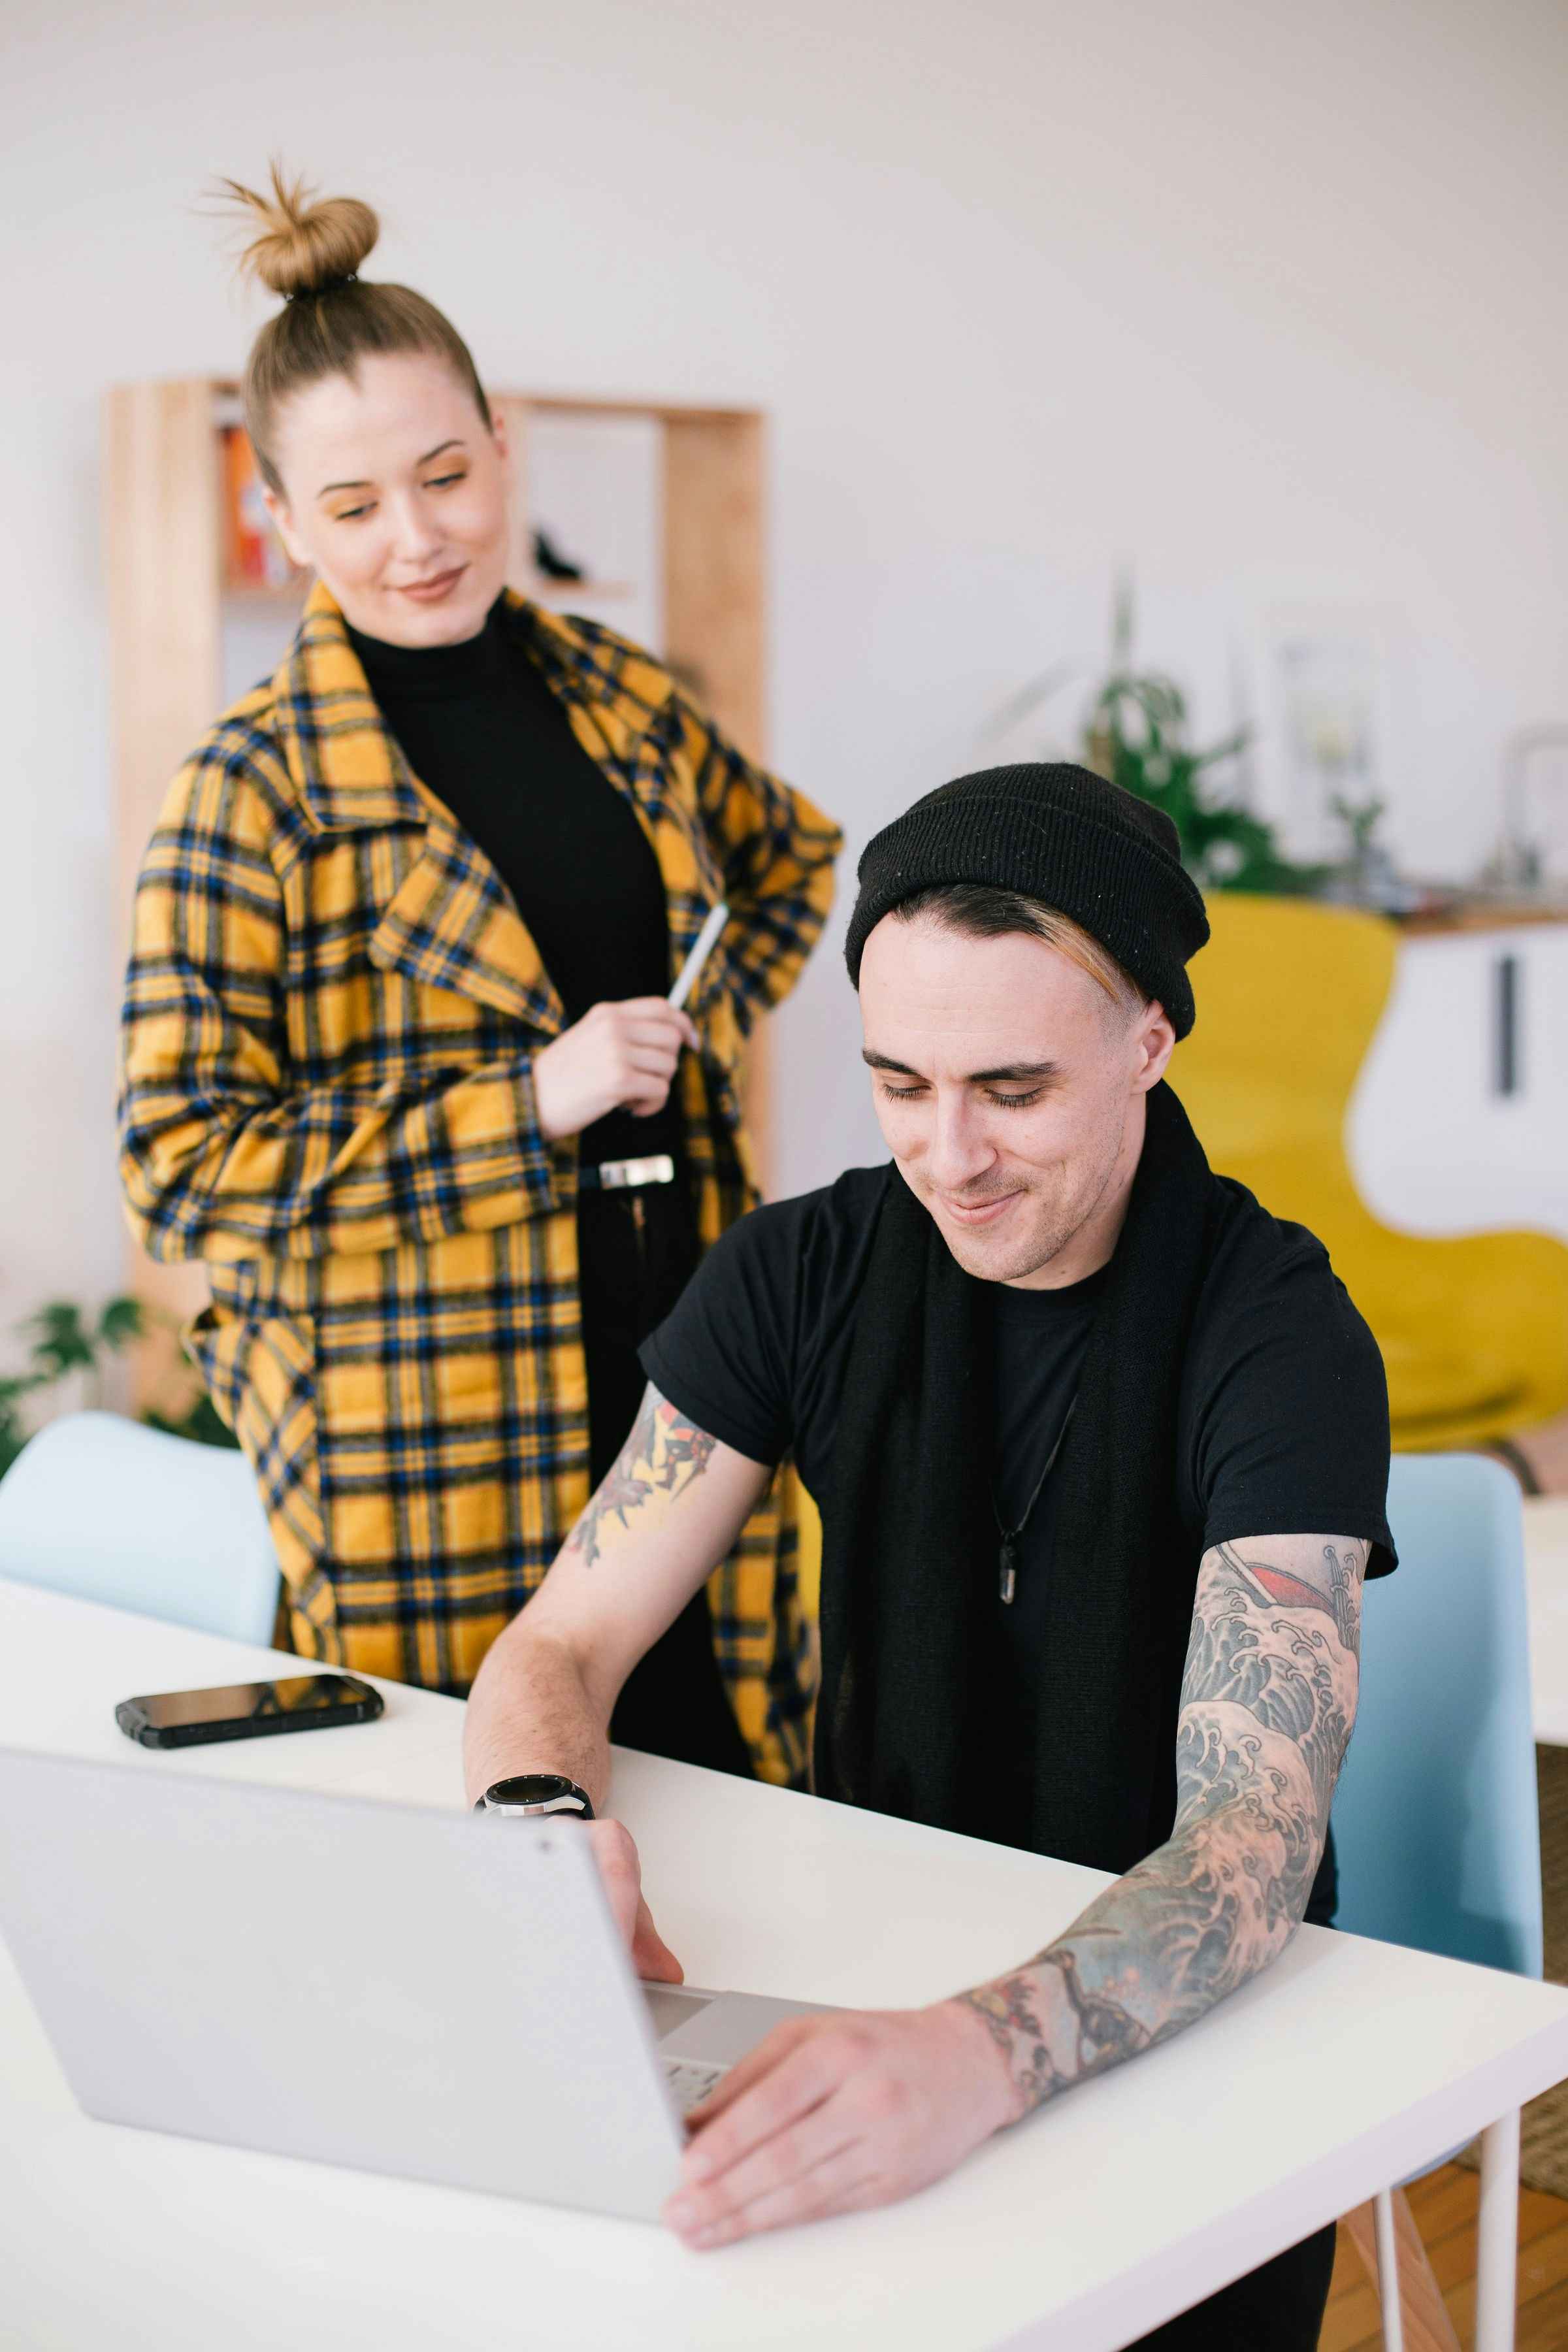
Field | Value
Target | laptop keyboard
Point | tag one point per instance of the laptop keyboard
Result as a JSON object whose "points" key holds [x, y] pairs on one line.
{"points": [[689, 2080]]}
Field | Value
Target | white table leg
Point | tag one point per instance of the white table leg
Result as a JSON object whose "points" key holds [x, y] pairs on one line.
{"points": [[1388, 2273], [1496, 2247]]}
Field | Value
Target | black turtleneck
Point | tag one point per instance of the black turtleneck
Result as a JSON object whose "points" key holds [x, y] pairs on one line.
{"points": [[481, 726]]}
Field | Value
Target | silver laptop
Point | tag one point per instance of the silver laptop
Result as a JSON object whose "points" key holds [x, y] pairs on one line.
{"points": [[402, 1989]]}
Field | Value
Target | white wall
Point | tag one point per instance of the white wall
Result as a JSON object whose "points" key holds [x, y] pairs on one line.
{"points": [[1264, 300]]}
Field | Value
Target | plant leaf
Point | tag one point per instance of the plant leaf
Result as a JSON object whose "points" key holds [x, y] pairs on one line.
{"points": [[1027, 701], [62, 1345], [121, 1322]]}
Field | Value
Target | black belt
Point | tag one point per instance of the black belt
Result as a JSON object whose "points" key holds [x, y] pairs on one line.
{"points": [[626, 1175]]}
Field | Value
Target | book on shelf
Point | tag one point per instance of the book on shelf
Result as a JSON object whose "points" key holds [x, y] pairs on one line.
{"points": [[255, 557]]}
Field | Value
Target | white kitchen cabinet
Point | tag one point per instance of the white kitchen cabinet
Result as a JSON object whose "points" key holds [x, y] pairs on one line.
{"points": [[1459, 1118]]}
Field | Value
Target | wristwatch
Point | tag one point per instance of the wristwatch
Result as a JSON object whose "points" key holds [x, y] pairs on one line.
{"points": [[536, 1793]]}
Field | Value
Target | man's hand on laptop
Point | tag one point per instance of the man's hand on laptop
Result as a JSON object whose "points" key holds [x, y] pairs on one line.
{"points": [[831, 2114], [621, 1871]]}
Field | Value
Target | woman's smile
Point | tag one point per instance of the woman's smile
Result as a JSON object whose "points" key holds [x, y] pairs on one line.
{"points": [[431, 592]]}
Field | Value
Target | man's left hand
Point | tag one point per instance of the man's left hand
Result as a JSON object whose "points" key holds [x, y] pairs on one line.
{"points": [[830, 2114]]}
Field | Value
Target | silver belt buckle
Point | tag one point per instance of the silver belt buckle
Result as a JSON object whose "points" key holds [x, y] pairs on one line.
{"points": [[621, 1175]]}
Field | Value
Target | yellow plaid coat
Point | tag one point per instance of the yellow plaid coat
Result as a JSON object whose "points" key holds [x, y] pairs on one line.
{"points": [[330, 1013]]}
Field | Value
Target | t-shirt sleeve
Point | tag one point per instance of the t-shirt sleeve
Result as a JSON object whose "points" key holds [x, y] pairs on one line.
{"points": [[1291, 1429], [725, 1354]]}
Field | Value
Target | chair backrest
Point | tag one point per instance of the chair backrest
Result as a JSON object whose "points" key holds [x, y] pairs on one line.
{"points": [[1435, 1819], [101, 1507], [1291, 994], [1473, 1328]]}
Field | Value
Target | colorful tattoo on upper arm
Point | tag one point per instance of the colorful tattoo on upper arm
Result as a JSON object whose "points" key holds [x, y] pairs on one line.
{"points": [[1330, 1582], [663, 1455]]}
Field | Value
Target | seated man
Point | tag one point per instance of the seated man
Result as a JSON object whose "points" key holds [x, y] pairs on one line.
{"points": [[1101, 1452]]}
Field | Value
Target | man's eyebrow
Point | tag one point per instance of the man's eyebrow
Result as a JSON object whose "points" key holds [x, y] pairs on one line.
{"points": [[455, 443], [1011, 1073]]}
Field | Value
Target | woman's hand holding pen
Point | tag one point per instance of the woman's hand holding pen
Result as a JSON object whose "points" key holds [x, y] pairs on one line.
{"points": [[619, 1057]]}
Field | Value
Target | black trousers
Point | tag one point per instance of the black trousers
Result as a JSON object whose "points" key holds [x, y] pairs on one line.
{"points": [[636, 1251], [1277, 2308]]}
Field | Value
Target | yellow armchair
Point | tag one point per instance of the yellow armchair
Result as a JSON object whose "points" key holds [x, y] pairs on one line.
{"points": [[1474, 1331]]}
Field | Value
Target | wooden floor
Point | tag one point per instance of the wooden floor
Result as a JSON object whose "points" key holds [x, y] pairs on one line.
{"points": [[1443, 2205]]}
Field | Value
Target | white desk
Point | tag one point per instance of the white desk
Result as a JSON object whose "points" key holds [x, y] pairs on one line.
{"points": [[1347, 2066]]}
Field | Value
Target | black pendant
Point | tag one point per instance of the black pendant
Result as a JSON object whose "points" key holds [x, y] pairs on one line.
{"points": [[1007, 1582]]}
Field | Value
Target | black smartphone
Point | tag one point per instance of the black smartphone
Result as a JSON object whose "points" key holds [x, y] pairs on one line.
{"points": [[246, 1710]]}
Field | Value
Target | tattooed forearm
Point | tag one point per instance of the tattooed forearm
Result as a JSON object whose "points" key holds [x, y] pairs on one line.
{"points": [[1268, 1699], [1050, 2028], [664, 1453]]}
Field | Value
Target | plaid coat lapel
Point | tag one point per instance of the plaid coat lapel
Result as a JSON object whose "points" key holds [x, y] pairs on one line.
{"points": [[451, 922], [627, 718], [349, 770]]}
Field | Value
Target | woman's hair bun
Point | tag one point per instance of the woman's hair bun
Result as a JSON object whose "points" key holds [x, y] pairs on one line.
{"points": [[303, 245]]}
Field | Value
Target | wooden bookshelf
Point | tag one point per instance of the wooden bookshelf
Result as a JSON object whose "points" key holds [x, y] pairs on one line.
{"points": [[169, 590]]}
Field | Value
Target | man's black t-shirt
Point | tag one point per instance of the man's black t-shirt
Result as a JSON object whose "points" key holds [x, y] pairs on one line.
{"points": [[1282, 1426]]}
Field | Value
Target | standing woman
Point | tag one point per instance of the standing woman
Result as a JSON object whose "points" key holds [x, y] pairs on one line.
{"points": [[397, 1061]]}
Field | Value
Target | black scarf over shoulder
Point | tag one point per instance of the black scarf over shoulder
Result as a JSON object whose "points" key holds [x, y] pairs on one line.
{"points": [[910, 1543]]}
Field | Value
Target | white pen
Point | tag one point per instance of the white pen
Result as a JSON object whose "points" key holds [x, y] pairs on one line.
{"points": [[703, 948]]}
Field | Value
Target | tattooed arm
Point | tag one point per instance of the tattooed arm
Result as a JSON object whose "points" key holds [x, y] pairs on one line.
{"points": [[1268, 1699], [667, 1513], [830, 2114]]}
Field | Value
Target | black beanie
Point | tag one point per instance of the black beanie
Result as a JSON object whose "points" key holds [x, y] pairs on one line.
{"points": [[1059, 833]]}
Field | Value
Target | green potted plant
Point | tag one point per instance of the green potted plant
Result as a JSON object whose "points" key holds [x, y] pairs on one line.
{"points": [[1136, 733], [63, 1340]]}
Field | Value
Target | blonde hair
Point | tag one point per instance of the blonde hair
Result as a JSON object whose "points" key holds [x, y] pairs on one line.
{"points": [[311, 253], [983, 911]]}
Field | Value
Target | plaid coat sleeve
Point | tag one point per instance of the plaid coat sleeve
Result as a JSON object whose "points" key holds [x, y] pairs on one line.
{"points": [[775, 850], [223, 1153]]}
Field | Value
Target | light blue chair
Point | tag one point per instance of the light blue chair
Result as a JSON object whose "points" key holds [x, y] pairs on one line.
{"points": [[1435, 1820], [100, 1508]]}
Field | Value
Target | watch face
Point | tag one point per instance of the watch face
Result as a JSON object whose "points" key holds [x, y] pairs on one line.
{"points": [[533, 1791]]}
